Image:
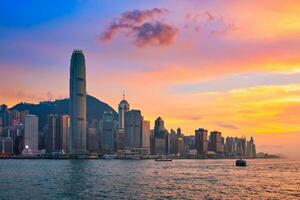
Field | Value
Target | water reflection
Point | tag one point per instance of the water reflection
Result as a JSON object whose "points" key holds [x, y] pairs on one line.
{"points": [[125, 179]]}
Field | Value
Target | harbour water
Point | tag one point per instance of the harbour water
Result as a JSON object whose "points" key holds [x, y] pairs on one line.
{"points": [[147, 179]]}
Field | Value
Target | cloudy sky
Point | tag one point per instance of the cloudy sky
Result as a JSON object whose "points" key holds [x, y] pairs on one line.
{"points": [[232, 66]]}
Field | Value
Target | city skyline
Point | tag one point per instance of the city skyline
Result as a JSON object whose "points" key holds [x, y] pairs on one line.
{"points": [[249, 87]]}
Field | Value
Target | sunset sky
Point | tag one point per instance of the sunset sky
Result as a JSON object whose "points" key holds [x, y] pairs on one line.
{"points": [[232, 66]]}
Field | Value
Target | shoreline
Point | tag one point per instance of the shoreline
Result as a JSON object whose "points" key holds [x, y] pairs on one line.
{"points": [[39, 158]]}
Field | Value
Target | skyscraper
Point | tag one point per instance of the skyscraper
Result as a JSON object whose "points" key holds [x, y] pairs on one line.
{"points": [[31, 132], [251, 151], [51, 134], [146, 134], [4, 115], [216, 142], [57, 133], [64, 128], [160, 139], [159, 128], [77, 103], [201, 142], [108, 131], [133, 129], [122, 109], [173, 143]]}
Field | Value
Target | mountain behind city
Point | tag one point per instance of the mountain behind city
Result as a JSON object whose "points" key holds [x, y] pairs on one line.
{"points": [[95, 109]]}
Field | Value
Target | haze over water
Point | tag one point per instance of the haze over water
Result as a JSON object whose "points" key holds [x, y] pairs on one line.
{"points": [[147, 179]]}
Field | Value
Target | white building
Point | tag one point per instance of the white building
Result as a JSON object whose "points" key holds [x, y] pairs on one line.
{"points": [[31, 133]]}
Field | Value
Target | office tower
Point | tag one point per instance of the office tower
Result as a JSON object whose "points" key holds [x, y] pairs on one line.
{"points": [[133, 129], [14, 118], [241, 146], [64, 129], [23, 113], [4, 115], [108, 128], [201, 142], [152, 140], [77, 103], [160, 134], [52, 134], [146, 134], [57, 133], [1, 128], [189, 141], [31, 132], [6, 146], [179, 133], [180, 146], [251, 151], [173, 143], [222, 146], [215, 142], [159, 128], [122, 109], [160, 146], [230, 149], [92, 140]]}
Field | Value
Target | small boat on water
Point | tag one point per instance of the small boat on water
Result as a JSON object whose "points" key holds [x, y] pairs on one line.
{"points": [[109, 157], [240, 163], [163, 159]]}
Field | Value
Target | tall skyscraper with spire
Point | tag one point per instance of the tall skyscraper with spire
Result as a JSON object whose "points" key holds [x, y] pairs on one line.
{"points": [[122, 109], [77, 142]]}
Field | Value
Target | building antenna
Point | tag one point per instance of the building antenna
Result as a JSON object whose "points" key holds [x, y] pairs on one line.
{"points": [[123, 95]]}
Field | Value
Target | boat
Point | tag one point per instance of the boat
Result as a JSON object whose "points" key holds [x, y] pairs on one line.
{"points": [[93, 157], [109, 156], [135, 157], [163, 159], [240, 163]]}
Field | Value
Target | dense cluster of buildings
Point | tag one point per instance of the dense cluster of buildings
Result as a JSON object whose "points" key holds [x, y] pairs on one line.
{"points": [[129, 135]]}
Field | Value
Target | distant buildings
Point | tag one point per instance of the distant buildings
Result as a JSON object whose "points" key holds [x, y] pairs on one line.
{"points": [[129, 135]]}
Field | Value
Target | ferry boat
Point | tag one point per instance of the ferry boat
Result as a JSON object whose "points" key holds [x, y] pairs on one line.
{"points": [[163, 159], [240, 163], [109, 156]]}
